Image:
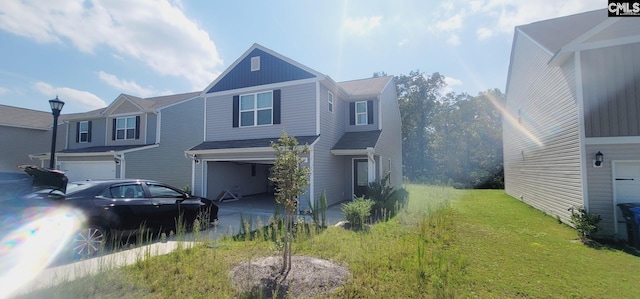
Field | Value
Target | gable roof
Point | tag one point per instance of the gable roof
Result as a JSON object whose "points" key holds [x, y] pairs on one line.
{"points": [[365, 87], [553, 34], [25, 118], [274, 68], [145, 104]]}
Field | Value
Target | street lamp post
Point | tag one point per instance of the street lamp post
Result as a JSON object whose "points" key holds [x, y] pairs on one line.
{"points": [[56, 107]]}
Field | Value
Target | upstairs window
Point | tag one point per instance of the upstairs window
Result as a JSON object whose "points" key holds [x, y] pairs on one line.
{"points": [[126, 128], [361, 113], [256, 109], [330, 100], [83, 132]]}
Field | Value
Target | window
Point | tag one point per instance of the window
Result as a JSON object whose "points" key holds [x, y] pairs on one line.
{"points": [[124, 191], [361, 113], [256, 109], [330, 100], [126, 128], [159, 191], [83, 133]]}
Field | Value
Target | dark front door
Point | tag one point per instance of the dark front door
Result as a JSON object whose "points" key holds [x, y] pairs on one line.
{"points": [[360, 177]]}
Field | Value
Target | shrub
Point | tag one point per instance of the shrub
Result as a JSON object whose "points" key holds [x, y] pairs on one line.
{"points": [[318, 210], [585, 223], [387, 200], [357, 211]]}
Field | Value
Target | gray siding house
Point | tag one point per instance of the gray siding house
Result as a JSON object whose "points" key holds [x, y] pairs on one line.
{"points": [[573, 91], [132, 138], [352, 128], [24, 131]]}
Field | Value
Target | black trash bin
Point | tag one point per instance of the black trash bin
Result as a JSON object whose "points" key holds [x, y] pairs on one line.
{"points": [[631, 214]]}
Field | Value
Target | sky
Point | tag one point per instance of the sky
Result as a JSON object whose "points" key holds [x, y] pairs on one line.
{"points": [[89, 52]]}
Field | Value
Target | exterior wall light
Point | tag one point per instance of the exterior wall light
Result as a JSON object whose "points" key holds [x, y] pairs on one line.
{"points": [[599, 158]]}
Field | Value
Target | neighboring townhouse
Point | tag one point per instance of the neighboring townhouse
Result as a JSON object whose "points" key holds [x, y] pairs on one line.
{"points": [[24, 131], [573, 91], [352, 128], [133, 138]]}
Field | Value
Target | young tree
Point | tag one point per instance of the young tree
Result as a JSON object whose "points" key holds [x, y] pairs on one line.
{"points": [[291, 179]]}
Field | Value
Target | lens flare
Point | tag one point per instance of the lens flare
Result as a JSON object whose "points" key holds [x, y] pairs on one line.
{"points": [[513, 121], [37, 240]]}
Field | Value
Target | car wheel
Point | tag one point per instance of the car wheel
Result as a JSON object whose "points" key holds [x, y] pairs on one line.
{"points": [[89, 241]]}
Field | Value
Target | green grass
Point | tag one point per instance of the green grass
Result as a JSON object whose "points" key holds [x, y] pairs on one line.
{"points": [[446, 244]]}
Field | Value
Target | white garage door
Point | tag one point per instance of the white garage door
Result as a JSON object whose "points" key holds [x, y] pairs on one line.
{"points": [[627, 190], [80, 171]]}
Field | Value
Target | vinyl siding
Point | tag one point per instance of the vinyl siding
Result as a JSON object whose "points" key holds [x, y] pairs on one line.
{"points": [[298, 115], [181, 129], [125, 107], [327, 168], [541, 144], [600, 180], [98, 134], [152, 126], [390, 142], [611, 89], [16, 144]]}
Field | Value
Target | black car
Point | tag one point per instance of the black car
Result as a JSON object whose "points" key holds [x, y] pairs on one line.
{"points": [[112, 209]]}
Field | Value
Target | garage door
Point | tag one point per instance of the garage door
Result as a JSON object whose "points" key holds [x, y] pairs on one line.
{"points": [[627, 189], [80, 171]]}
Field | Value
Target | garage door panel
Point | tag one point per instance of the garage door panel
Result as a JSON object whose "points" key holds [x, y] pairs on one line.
{"points": [[627, 190], [80, 171]]}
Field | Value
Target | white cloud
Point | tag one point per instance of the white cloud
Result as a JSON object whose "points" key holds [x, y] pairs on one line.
{"points": [[156, 33], [484, 33], [361, 26], [451, 24], [129, 87], [505, 14], [3, 90], [453, 40], [82, 99], [451, 82]]}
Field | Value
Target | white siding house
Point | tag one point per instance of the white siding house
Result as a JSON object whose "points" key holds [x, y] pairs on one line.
{"points": [[573, 90]]}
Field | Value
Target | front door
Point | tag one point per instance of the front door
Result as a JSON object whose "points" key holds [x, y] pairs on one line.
{"points": [[360, 177]]}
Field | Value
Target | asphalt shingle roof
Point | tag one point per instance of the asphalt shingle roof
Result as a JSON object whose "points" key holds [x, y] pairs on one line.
{"points": [[247, 143], [357, 140], [365, 87], [102, 149]]}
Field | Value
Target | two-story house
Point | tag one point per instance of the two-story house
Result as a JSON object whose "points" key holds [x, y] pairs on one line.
{"points": [[132, 138], [352, 128], [24, 131], [572, 116]]}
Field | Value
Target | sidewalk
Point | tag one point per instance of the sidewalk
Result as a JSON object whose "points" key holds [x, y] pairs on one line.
{"points": [[229, 221]]}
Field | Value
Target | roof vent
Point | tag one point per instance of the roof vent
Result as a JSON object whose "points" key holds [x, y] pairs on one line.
{"points": [[255, 63]]}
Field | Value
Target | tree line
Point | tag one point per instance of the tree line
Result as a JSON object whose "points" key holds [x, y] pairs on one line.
{"points": [[452, 138]]}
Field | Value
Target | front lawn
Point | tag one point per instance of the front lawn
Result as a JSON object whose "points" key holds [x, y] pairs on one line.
{"points": [[448, 243]]}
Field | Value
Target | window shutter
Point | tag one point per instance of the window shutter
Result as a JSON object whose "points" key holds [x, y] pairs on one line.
{"points": [[352, 113], [370, 112], [236, 110], [113, 130], [77, 132], [138, 127], [89, 132], [276, 107]]}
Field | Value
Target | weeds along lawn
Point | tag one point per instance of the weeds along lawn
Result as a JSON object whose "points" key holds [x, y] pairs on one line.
{"points": [[446, 244]]}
